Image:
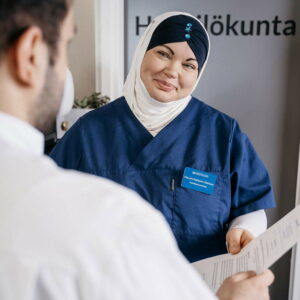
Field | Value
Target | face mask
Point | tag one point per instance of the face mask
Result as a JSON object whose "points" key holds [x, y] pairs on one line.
{"points": [[68, 95]]}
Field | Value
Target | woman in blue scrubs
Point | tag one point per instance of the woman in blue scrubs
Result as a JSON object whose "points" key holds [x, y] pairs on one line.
{"points": [[190, 161]]}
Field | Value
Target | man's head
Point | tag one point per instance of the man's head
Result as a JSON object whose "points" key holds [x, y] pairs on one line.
{"points": [[33, 58]]}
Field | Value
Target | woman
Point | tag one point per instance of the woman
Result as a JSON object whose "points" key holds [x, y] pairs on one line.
{"points": [[187, 159]]}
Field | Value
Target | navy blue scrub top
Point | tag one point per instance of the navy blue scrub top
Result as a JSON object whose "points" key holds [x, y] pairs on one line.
{"points": [[112, 143]]}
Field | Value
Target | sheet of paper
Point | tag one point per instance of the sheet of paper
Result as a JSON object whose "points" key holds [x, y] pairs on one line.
{"points": [[258, 255]]}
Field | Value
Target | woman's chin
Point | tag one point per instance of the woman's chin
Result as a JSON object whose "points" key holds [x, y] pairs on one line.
{"points": [[163, 96]]}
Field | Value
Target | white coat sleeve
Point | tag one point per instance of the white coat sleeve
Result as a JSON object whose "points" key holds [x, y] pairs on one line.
{"points": [[255, 222], [148, 265]]}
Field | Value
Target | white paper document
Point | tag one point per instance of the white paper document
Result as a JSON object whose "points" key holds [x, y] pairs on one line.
{"points": [[258, 255]]}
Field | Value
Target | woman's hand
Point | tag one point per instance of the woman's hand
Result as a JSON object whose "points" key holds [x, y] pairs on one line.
{"points": [[237, 239]]}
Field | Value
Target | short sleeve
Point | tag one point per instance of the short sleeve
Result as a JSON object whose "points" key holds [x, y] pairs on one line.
{"points": [[251, 187]]}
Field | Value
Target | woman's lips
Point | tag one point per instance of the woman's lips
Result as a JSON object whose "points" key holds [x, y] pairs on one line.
{"points": [[164, 85]]}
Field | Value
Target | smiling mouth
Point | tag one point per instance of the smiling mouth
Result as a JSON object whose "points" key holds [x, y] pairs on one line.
{"points": [[164, 85]]}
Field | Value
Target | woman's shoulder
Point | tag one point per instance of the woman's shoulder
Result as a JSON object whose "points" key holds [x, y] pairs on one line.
{"points": [[103, 113], [212, 113]]}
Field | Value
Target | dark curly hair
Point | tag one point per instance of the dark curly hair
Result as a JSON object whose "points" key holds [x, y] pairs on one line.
{"points": [[18, 15]]}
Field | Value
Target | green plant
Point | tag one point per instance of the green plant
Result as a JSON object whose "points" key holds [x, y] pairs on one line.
{"points": [[95, 100]]}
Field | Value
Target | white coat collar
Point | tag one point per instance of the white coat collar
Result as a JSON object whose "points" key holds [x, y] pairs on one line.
{"points": [[21, 134]]}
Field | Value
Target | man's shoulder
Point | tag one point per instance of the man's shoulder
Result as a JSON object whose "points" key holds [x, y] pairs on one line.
{"points": [[43, 183], [99, 197], [76, 208]]}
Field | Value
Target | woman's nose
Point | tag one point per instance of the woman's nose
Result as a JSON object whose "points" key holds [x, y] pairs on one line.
{"points": [[171, 71]]}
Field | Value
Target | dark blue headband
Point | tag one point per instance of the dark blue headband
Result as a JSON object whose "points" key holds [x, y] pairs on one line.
{"points": [[182, 28]]}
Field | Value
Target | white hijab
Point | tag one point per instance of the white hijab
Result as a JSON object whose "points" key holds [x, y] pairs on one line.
{"points": [[153, 114]]}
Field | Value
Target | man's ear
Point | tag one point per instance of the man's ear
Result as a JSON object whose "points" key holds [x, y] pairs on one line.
{"points": [[29, 57]]}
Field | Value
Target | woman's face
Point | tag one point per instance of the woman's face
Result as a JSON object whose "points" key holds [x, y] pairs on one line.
{"points": [[169, 72]]}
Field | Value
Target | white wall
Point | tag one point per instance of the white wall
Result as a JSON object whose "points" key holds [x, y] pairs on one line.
{"points": [[97, 53], [294, 293], [82, 50]]}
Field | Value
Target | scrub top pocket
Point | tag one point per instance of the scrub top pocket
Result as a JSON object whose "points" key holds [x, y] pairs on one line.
{"points": [[196, 212], [200, 220]]}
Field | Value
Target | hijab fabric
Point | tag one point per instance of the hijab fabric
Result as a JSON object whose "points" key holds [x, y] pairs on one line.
{"points": [[182, 28], [153, 114]]}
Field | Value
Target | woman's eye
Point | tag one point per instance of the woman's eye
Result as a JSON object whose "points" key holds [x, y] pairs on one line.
{"points": [[163, 54], [190, 66]]}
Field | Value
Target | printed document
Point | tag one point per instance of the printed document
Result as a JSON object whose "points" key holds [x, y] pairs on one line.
{"points": [[258, 255]]}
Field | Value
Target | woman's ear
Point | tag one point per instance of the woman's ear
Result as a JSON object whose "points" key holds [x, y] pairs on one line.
{"points": [[29, 57]]}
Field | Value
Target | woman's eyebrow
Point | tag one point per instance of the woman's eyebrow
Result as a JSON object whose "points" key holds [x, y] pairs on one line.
{"points": [[168, 49], [189, 59]]}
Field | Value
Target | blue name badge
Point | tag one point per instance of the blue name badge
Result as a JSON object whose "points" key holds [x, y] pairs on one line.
{"points": [[198, 180]]}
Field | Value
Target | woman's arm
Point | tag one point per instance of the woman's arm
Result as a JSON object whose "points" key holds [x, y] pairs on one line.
{"points": [[243, 229]]}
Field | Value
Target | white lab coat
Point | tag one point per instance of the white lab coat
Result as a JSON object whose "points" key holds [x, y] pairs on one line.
{"points": [[67, 235]]}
